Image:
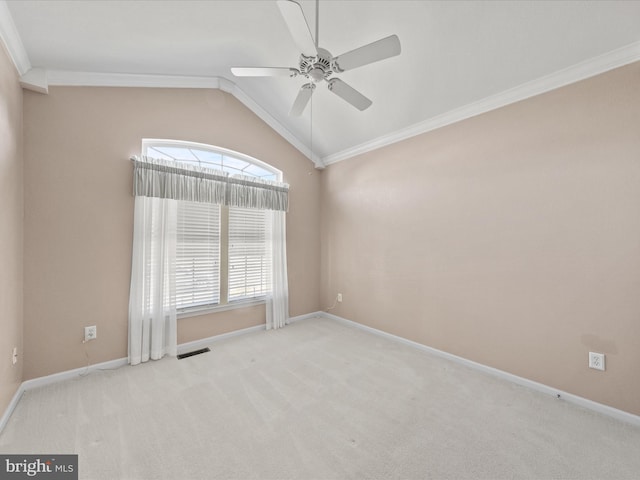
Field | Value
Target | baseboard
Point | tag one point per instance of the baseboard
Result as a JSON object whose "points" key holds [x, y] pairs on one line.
{"points": [[203, 342], [540, 387], [76, 372], [306, 316], [11, 407]]}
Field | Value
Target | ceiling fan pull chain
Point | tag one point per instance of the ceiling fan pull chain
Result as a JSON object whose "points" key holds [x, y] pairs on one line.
{"points": [[311, 127], [317, 23]]}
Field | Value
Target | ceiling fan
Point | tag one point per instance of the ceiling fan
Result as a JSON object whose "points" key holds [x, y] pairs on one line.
{"points": [[317, 64]]}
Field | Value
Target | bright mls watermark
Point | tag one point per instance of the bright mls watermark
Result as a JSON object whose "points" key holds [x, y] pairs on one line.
{"points": [[51, 467]]}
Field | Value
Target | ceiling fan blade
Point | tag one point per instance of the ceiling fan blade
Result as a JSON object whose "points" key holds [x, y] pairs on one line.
{"points": [[264, 71], [373, 52], [304, 95], [349, 94], [294, 18]]}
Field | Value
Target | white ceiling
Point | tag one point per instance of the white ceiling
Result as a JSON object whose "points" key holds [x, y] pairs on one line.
{"points": [[458, 58]]}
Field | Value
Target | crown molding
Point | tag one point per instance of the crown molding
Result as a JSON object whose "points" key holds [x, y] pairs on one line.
{"points": [[580, 71], [97, 79], [36, 80], [12, 41], [39, 80], [230, 87]]}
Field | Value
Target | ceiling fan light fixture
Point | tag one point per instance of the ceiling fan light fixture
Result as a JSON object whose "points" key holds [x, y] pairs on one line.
{"points": [[316, 74]]}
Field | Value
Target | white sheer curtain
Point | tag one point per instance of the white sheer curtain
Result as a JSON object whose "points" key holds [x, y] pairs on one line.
{"points": [[158, 185], [152, 310], [278, 298]]}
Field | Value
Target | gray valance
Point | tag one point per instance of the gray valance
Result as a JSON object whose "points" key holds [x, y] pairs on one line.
{"points": [[154, 177]]}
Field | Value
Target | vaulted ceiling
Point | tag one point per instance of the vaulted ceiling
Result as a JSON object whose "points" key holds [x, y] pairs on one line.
{"points": [[459, 58]]}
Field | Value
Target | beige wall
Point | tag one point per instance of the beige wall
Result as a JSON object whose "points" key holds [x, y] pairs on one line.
{"points": [[79, 212], [11, 228], [511, 239]]}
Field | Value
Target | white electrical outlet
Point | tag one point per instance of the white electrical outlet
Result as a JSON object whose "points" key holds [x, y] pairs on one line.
{"points": [[339, 297], [596, 360], [14, 358], [90, 333]]}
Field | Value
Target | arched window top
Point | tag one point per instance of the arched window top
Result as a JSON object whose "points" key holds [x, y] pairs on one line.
{"points": [[191, 153]]}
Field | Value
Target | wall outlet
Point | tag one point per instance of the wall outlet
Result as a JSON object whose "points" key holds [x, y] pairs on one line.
{"points": [[339, 297], [596, 360], [90, 333], [14, 358]]}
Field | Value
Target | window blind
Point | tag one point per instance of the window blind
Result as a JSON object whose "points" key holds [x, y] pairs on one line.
{"points": [[249, 262], [197, 255]]}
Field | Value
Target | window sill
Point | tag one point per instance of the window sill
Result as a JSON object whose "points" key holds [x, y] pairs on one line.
{"points": [[221, 308]]}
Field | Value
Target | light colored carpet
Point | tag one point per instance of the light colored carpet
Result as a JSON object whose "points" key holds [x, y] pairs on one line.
{"points": [[316, 400]]}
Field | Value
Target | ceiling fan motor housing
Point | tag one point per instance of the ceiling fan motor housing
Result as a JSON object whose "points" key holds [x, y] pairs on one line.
{"points": [[316, 68]]}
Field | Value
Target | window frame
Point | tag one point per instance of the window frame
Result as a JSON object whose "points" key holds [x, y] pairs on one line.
{"points": [[224, 302]]}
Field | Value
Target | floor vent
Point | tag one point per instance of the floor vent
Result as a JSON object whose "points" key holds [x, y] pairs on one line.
{"points": [[195, 352]]}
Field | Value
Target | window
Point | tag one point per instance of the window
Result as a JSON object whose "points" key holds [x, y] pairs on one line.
{"points": [[222, 254], [227, 161]]}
